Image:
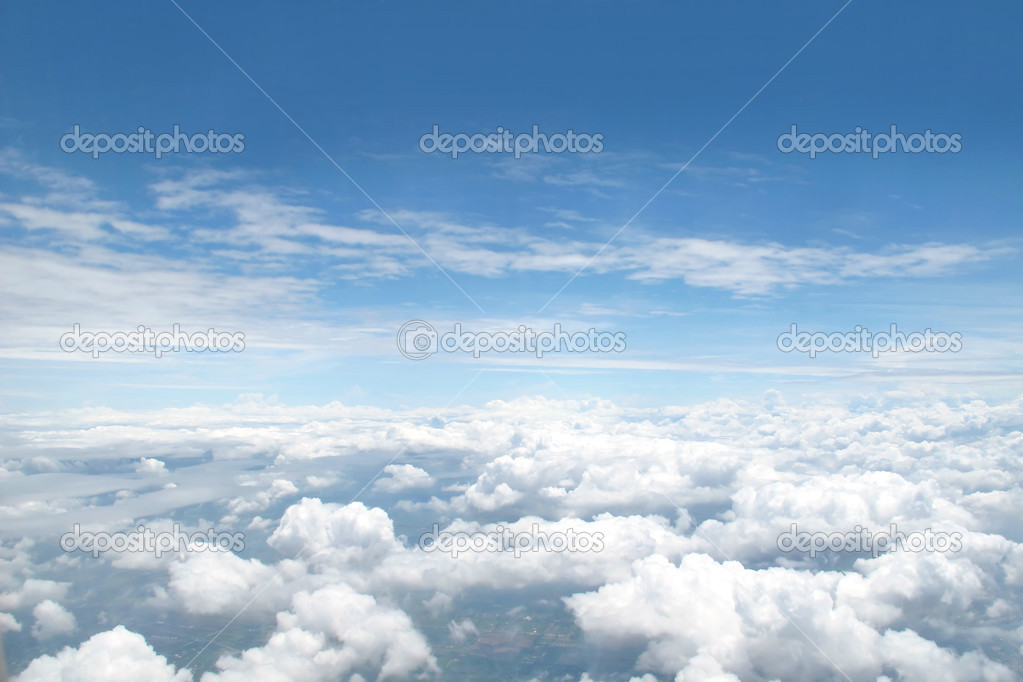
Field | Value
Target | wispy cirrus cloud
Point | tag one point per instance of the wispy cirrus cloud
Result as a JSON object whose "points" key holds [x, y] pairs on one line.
{"points": [[257, 225]]}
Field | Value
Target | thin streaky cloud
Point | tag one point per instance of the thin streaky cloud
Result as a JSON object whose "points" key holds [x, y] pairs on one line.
{"points": [[694, 156], [328, 156]]}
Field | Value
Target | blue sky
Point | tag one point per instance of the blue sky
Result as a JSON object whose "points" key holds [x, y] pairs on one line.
{"points": [[740, 244]]}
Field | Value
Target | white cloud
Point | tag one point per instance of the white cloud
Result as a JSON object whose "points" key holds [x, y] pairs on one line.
{"points": [[402, 477], [756, 625], [8, 623], [52, 620], [329, 634], [462, 630], [32, 592], [220, 582], [267, 228], [151, 466], [117, 655], [740, 473]]}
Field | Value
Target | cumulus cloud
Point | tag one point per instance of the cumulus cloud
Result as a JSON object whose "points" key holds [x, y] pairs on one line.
{"points": [[329, 634], [349, 535], [255, 502], [52, 620], [9, 623], [150, 466], [33, 591], [117, 655], [756, 625], [688, 501], [462, 630], [402, 477], [220, 582]]}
